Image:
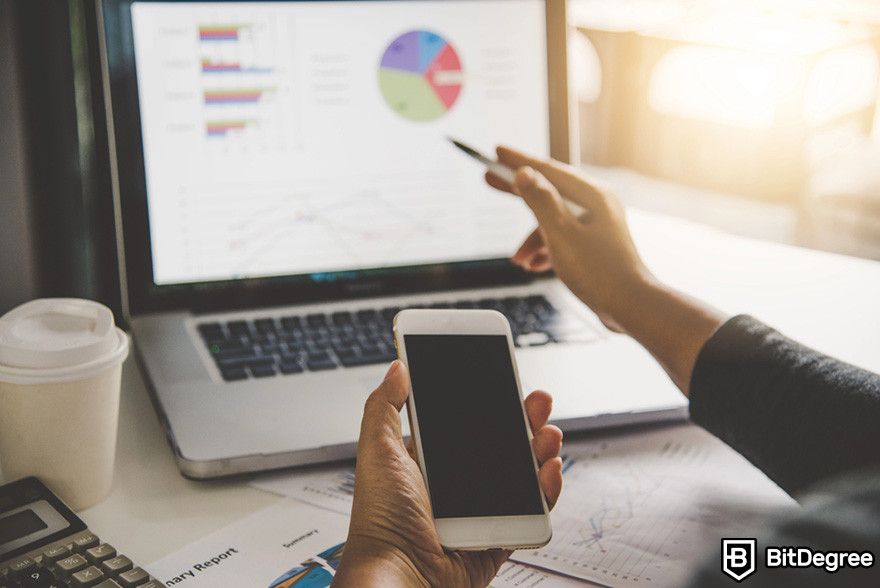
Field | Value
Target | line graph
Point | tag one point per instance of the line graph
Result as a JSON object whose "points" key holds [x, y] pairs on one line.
{"points": [[642, 510], [252, 229]]}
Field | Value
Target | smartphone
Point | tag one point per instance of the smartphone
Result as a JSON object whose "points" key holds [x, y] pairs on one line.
{"points": [[471, 430]]}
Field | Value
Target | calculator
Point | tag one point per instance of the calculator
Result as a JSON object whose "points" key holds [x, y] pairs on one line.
{"points": [[44, 545]]}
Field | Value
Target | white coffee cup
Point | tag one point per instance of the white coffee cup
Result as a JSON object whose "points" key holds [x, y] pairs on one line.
{"points": [[60, 370]]}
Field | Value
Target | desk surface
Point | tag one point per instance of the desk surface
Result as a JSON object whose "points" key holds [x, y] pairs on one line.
{"points": [[826, 301]]}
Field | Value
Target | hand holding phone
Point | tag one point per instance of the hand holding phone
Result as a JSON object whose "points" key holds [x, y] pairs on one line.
{"points": [[392, 538], [470, 429]]}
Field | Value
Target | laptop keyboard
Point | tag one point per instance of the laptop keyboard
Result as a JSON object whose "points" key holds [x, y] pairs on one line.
{"points": [[268, 347]]}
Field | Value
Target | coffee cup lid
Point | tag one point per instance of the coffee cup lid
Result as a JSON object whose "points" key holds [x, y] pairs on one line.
{"points": [[53, 333]]}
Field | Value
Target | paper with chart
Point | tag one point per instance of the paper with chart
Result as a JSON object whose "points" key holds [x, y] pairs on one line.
{"points": [[328, 487], [643, 509], [332, 488], [287, 545], [516, 575]]}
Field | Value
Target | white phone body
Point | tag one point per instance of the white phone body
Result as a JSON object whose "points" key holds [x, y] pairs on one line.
{"points": [[472, 532]]}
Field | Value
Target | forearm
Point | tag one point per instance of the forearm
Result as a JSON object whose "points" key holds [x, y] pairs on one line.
{"points": [[671, 325]]}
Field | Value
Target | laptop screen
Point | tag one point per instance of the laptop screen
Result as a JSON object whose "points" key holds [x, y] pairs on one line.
{"points": [[310, 138]]}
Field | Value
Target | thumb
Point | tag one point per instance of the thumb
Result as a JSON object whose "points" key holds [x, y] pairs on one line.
{"points": [[382, 409]]}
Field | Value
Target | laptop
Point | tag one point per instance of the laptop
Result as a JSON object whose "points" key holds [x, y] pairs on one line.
{"points": [[285, 186]]}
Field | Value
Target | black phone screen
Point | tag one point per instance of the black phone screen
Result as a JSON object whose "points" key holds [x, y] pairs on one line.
{"points": [[474, 442]]}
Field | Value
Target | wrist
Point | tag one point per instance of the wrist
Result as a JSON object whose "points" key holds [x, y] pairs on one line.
{"points": [[366, 563], [671, 325], [633, 294]]}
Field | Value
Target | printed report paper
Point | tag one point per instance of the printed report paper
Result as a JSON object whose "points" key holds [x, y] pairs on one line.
{"points": [[287, 544]]}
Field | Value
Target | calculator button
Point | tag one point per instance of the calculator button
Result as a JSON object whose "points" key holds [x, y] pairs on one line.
{"points": [[72, 564], [85, 541], [134, 577], [152, 584], [117, 565], [87, 578], [100, 553], [20, 568], [36, 578], [53, 554], [113, 584]]}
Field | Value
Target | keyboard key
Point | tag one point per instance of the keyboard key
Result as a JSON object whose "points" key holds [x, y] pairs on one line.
{"points": [[264, 325], [234, 374], [290, 367], [115, 584], [319, 366], [71, 564], [289, 323], [319, 356], [316, 320], [490, 304], [87, 578], [100, 553], [270, 349], [361, 360], [133, 577], [245, 360], [224, 347], [389, 313], [239, 328], [341, 318], [117, 565], [320, 360], [262, 371], [211, 331], [367, 316]]}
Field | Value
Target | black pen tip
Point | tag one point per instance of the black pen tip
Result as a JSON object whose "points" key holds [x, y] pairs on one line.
{"points": [[464, 147]]}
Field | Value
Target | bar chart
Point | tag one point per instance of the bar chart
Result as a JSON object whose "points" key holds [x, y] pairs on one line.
{"points": [[244, 87]]}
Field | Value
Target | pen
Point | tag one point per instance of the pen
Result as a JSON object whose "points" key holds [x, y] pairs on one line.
{"points": [[499, 169], [505, 173]]}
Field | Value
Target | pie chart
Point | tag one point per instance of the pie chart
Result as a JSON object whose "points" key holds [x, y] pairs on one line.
{"points": [[420, 75]]}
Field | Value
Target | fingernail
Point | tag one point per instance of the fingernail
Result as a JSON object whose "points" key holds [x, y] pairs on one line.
{"points": [[395, 365]]}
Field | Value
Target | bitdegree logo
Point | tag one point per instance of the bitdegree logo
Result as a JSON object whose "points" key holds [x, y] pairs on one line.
{"points": [[738, 558], [806, 557]]}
